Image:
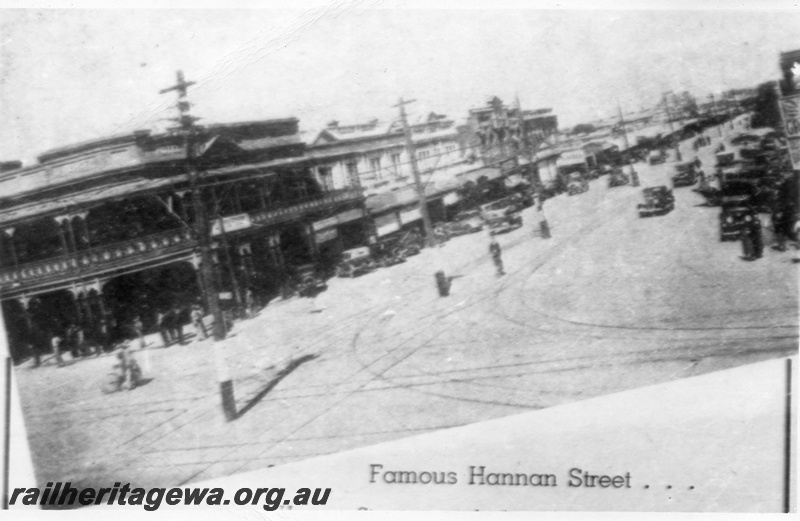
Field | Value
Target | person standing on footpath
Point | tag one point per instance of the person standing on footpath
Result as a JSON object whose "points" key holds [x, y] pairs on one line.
{"points": [[497, 256], [163, 328], [176, 325], [758, 238], [56, 343], [138, 331], [197, 322]]}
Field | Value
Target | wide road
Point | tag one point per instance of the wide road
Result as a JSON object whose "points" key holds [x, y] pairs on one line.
{"points": [[611, 302]]}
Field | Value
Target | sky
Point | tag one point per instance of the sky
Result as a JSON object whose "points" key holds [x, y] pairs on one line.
{"points": [[69, 75]]}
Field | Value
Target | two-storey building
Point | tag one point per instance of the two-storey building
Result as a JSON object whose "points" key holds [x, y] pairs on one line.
{"points": [[100, 232]]}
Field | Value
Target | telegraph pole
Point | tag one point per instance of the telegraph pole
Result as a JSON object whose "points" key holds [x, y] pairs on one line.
{"points": [[441, 280], [412, 156], [202, 235], [672, 129], [634, 175], [544, 226]]}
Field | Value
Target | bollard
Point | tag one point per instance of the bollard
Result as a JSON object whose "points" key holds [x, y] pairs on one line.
{"points": [[442, 284], [544, 227], [228, 400]]}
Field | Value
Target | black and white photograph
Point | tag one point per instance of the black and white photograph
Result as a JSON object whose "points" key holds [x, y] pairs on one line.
{"points": [[401, 256]]}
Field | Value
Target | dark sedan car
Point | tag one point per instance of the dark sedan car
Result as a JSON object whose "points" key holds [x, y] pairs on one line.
{"points": [[658, 200], [686, 175], [735, 211]]}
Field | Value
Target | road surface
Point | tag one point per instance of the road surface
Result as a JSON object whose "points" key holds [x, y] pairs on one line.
{"points": [[611, 302]]}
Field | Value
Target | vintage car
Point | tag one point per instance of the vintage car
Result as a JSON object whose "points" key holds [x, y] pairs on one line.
{"points": [[502, 215], [685, 175], [576, 184], [658, 200], [465, 223], [388, 252], [308, 281], [725, 159], [656, 157], [735, 212], [354, 262], [617, 178], [411, 243]]}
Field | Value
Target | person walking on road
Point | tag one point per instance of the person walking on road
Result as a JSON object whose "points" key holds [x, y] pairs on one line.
{"points": [[497, 256]]}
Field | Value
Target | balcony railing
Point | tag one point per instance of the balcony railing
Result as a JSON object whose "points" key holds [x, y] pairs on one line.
{"points": [[142, 249], [113, 255]]}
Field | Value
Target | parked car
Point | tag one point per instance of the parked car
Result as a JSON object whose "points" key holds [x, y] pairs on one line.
{"points": [[656, 157], [685, 175], [411, 243], [502, 215], [388, 252], [658, 200], [309, 282], [354, 262], [617, 178], [576, 184], [732, 217], [465, 223]]}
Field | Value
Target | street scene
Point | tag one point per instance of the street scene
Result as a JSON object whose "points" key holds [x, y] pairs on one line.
{"points": [[191, 302]]}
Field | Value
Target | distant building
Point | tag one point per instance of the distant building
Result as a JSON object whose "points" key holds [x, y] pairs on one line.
{"points": [[373, 157]]}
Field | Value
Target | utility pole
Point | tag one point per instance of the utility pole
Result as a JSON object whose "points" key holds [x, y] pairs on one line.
{"points": [[714, 111], [536, 182], [634, 175], [441, 280], [672, 128], [203, 237]]}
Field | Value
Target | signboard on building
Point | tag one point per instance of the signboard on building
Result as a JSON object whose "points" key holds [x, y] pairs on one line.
{"points": [[327, 235], [231, 223], [350, 215], [385, 224], [410, 215], [790, 110], [571, 157], [450, 199], [325, 223]]}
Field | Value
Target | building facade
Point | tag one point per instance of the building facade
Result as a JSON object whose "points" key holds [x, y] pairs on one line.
{"points": [[99, 233]]}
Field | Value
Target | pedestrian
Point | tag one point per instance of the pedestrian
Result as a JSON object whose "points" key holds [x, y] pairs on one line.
{"points": [[697, 162], [163, 328], [105, 336], [197, 322], [496, 252], [138, 331], [250, 303], [176, 324], [779, 225], [758, 237], [703, 182], [56, 343], [746, 236]]}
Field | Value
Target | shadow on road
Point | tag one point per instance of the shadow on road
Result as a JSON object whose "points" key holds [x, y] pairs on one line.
{"points": [[291, 366]]}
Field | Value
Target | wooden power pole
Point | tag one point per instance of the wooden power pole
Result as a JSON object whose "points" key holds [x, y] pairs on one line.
{"points": [[202, 235], [442, 282]]}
